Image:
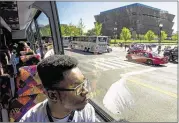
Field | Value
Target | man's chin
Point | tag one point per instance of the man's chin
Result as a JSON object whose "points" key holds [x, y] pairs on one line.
{"points": [[81, 107]]}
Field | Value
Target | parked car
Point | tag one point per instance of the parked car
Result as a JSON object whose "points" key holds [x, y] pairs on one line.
{"points": [[147, 57], [172, 54]]}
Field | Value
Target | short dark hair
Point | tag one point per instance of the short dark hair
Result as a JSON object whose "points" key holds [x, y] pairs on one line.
{"points": [[51, 69], [33, 60], [20, 47], [28, 43]]}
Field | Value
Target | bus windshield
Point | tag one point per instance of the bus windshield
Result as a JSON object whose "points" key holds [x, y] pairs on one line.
{"points": [[102, 39]]}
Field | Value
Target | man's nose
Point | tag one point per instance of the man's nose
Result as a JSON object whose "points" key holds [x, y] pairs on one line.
{"points": [[85, 91]]}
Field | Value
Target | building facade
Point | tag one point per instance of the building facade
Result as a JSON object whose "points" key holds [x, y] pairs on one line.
{"points": [[137, 17]]}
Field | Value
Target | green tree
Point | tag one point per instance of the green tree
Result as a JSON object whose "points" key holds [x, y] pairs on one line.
{"points": [[81, 26], [63, 30], [73, 30], [125, 34], [156, 37], [97, 28], [91, 32], [141, 37], [69, 30], [163, 35], [77, 31], [175, 37], [149, 35], [45, 31]]}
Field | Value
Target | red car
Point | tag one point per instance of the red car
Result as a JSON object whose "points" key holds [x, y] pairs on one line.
{"points": [[150, 58]]}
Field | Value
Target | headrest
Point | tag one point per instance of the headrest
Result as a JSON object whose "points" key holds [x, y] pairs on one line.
{"points": [[28, 81], [26, 53], [5, 89], [30, 59], [19, 106]]}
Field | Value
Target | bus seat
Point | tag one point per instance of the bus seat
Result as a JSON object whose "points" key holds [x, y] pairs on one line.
{"points": [[6, 92], [14, 61], [26, 53], [28, 81], [30, 91], [3, 61], [29, 60], [19, 106], [4, 115]]}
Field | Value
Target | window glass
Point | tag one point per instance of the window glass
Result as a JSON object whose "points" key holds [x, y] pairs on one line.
{"points": [[46, 40], [123, 85], [146, 54]]}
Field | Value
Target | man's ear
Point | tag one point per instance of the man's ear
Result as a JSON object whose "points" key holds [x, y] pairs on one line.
{"points": [[53, 96]]}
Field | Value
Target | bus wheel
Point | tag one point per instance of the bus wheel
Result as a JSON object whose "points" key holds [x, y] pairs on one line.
{"points": [[88, 49], [85, 50]]}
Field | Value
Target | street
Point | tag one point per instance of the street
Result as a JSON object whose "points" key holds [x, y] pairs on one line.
{"points": [[127, 90]]}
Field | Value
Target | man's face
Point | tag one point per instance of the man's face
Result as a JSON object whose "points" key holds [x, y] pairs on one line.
{"points": [[70, 99]]}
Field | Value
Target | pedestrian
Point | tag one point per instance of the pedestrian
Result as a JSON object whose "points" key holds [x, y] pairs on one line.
{"points": [[67, 93], [22, 46], [150, 48]]}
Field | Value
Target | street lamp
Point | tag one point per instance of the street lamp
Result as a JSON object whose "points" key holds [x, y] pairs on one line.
{"points": [[115, 29], [160, 37]]}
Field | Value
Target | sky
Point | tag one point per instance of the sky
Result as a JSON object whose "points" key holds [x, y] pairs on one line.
{"points": [[71, 12]]}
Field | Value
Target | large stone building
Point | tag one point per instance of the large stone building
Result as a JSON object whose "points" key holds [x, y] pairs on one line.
{"points": [[137, 17]]}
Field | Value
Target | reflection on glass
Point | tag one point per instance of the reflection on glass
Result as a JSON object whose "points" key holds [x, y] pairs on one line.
{"points": [[33, 27]]}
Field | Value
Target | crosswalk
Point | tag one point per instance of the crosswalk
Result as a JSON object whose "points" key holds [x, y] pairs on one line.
{"points": [[105, 64]]}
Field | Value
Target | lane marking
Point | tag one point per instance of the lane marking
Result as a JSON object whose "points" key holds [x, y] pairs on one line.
{"points": [[84, 67], [100, 67], [125, 76], [155, 88], [105, 65], [124, 63], [114, 64]]}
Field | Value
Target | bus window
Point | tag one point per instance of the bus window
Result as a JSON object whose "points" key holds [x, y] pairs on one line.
{"points": [[66, 41], [121, 87], [94, 39], [102, 39], [33, 27], [45, 45], [33, 33]]}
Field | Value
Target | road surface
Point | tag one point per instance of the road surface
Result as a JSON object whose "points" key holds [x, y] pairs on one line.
{"points": [[131, 91]]}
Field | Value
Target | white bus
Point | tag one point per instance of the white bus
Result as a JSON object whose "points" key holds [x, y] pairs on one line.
{"points": [[96, 44], [66, 40]]}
